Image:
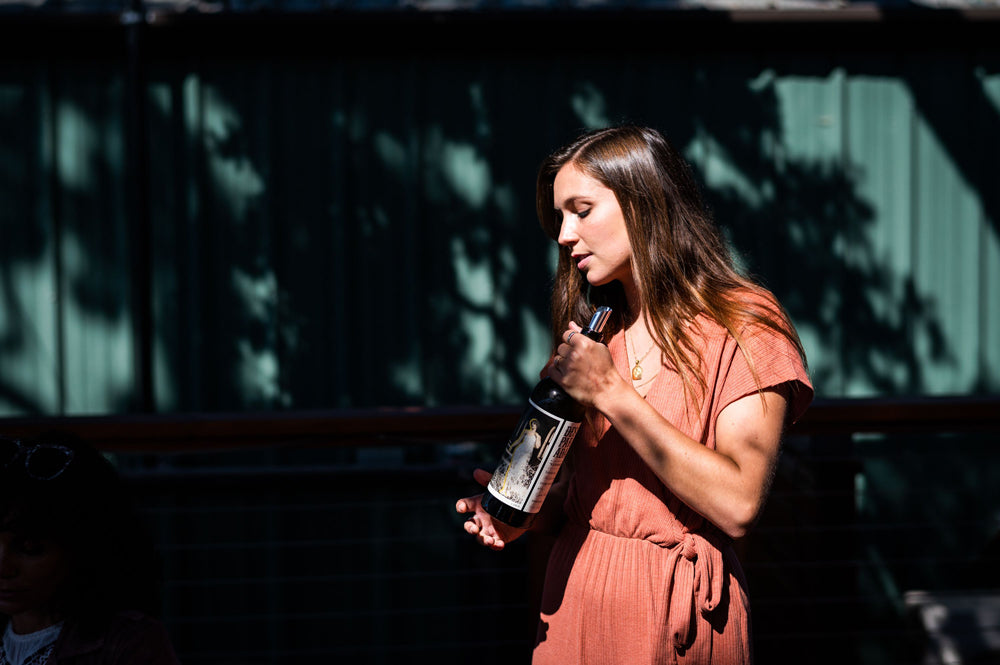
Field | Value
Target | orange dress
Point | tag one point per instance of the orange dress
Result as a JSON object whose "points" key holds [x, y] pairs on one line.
{"points": [[636, 577]]}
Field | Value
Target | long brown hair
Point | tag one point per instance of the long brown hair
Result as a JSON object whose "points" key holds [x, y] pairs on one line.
{"points": [[683, 267]]}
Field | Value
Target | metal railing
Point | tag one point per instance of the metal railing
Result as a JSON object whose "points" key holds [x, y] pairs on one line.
{"points": [[288, 537]]}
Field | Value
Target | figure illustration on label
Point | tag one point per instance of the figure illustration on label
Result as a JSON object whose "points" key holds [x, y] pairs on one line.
{"points": [[523, 455]]}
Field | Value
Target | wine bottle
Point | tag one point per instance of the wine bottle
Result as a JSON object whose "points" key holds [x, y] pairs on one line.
{"points": [[537, 447]]}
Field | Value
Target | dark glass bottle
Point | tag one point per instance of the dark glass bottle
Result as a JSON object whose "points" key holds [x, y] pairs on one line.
{"points": [[536, 449]]}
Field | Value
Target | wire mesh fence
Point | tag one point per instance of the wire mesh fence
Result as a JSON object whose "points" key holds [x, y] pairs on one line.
{"points": [[298, 540]]}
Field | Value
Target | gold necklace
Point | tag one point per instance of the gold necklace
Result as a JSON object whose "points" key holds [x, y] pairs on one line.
{"points": [[637, 369]]}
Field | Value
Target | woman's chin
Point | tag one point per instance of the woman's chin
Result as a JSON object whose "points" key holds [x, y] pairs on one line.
{"points": [[599, 280]]}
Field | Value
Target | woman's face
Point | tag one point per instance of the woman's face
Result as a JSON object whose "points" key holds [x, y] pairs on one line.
{"points": [[32, 572], [592, 227]]}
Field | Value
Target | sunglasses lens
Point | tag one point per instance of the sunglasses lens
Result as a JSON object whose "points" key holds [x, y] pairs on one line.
{"points": [[47, 462], [9, 450]]}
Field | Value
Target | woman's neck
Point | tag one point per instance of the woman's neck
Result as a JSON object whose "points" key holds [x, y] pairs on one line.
{"points": [[632, 298], [32, 622]]}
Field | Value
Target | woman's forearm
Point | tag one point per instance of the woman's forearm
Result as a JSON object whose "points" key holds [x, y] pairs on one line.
{"points": [[728, 486]]}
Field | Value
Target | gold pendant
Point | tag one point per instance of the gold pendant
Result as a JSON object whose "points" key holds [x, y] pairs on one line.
{"points": [[636, 372]]}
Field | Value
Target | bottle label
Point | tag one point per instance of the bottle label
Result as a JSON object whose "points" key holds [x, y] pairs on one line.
{"points": [[532, 459]]}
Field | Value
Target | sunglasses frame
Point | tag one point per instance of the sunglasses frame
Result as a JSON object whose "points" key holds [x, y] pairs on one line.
{"points": [[26, 451]]}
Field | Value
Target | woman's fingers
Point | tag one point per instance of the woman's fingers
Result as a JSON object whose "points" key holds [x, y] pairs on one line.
{"points": [[478, 522], [565, 350], [572, 330], [470, 504]]}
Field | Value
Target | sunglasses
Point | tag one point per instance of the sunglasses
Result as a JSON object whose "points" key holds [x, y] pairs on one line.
{"points": [[42, 461]]}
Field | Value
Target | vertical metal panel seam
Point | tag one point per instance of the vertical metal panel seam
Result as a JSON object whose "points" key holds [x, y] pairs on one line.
{"points": [[49, 100], [419, 76], [202, 245], [983, 318], [843, 163], [140, 229], [915, 211]]}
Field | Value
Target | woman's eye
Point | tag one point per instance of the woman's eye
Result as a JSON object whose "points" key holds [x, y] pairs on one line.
{"points": [[583, 213], [32, 547]]}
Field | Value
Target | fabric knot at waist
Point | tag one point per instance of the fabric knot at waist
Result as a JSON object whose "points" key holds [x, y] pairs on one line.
{"points": [[696, 584]]}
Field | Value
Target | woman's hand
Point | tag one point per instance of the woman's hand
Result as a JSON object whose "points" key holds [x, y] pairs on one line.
{"points": [[584, 368], [489, 533]]}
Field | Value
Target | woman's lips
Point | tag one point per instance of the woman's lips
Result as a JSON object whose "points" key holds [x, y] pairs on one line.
{"points": [[582, 260]]}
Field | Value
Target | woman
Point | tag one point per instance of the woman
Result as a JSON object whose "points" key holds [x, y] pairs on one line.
{"points": [[77, 578], [686, 407]]}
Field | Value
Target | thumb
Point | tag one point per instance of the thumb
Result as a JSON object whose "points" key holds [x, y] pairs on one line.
{"points": [[482, 476]]}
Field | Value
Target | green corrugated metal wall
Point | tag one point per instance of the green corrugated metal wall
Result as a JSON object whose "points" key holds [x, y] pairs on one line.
{"points": [[359, 231]]}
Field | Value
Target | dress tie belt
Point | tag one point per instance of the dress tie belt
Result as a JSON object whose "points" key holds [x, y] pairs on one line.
{"points": [[696, 585]]}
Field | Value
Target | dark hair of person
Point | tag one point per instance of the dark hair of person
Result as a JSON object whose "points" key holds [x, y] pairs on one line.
{"points": [[87, 509], [682, 265]]}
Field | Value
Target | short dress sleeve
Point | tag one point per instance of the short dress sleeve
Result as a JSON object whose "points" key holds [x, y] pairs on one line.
{"points": [[775, 361]]}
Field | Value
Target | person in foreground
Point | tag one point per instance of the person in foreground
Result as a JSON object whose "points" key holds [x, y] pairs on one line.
{"points": [[78, 580], [686, 407]]}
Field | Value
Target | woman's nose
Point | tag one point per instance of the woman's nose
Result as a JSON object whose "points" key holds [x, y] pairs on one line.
{"points": [[567, 232], [7, 565]]}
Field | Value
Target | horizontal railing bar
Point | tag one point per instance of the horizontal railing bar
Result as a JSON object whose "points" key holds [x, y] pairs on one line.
{"points": [[477, 573], [475, 645], [351, 614], [213, 431], [199, 432]]}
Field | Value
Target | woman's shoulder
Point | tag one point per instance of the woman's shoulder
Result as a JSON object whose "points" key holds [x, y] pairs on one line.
{"points": [[742, 309], [129, 638], [757, 302], [757, 316], [772, 351], [139, 638]]}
